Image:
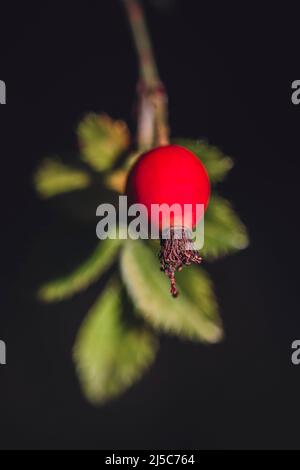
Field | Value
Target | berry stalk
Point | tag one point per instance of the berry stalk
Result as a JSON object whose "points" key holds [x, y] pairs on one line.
{"points": [[153, 128]]}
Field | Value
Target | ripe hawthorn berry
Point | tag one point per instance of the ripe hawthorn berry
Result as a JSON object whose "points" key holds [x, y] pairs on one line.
{"points": [[171, 175]]}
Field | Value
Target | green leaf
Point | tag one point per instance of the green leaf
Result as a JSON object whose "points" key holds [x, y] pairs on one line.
{"points": [[111, 354], [54, 177], [224, 232], [89, 272], [187, 316], [102, 140], [197, 285], [216, 163]]}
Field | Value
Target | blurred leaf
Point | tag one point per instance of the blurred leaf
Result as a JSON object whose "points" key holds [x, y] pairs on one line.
{"points": [[216, 163], [116, 180], [149, 289], [84, 275], [197, 285], [102, 140], [224, 232], [109, 354], [54, 177]]}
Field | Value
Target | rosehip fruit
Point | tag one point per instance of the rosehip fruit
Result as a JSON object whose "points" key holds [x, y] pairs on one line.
{"points": [[171, 175]]}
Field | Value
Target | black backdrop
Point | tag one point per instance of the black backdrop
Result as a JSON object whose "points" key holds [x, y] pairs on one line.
{"points": [[228, 70]]}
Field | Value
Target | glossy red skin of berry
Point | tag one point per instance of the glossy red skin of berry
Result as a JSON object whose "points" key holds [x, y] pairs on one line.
{"points": [[172, 175]]}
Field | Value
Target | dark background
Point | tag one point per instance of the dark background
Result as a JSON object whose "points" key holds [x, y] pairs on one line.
{"points": [[228, 70]]}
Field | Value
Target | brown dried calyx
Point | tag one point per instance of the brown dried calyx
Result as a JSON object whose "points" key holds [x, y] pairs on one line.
{"points": [[177, 250]]}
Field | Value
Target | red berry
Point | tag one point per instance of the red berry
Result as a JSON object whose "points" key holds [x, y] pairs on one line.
{"points": [[171, 175]]}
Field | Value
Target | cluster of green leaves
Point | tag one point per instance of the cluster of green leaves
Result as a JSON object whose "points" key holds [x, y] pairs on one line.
{"points": [[118, 339]]}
